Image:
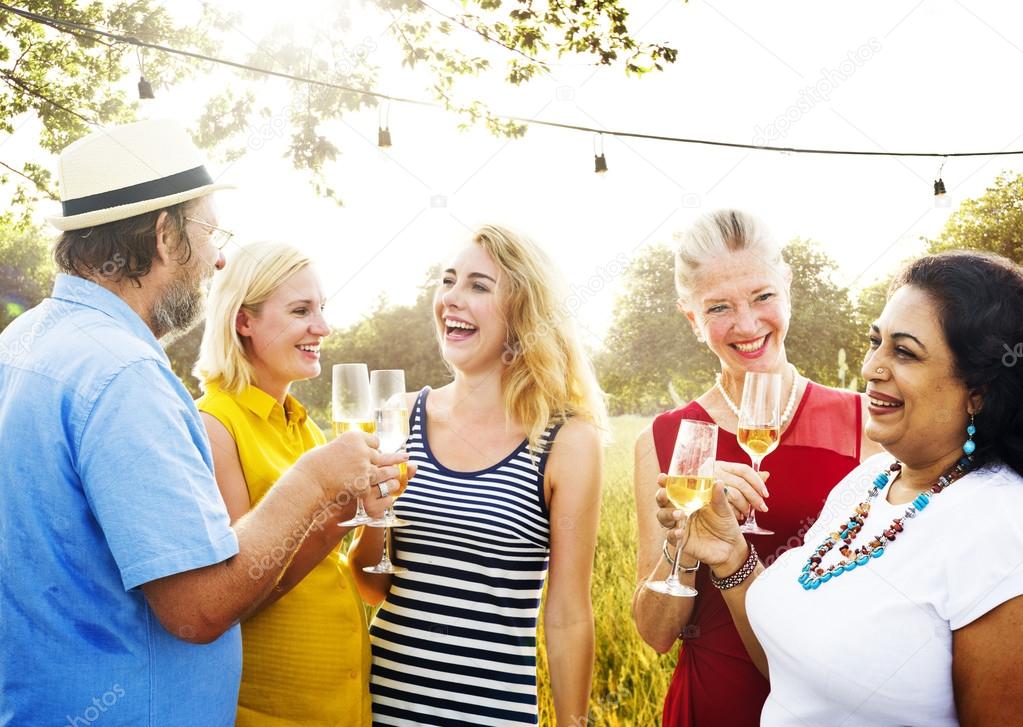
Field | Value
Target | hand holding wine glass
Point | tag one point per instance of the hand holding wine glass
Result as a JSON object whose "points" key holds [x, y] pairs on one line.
{"points": [[711, 534], [688, 485]]}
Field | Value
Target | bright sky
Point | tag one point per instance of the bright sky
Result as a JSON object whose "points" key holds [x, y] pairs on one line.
{"points": [[906, 75]]}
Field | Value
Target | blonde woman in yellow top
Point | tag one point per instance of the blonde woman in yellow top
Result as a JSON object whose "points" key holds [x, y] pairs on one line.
{"points": [[305, 649]]}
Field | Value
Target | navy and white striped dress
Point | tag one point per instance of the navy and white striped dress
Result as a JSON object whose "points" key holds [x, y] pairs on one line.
{"points": [[455, 641]]}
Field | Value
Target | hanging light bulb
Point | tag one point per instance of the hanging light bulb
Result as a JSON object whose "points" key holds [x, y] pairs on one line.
{"points": [[383, 132], [145, 87], [599, 161], [940, 196]]}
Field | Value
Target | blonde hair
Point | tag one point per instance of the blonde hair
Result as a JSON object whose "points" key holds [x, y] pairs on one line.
{"points": [[252, 276], [719, 232], [548, 376]]}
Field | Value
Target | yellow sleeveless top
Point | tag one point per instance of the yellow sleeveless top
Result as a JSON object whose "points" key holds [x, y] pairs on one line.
{"points": [[305, 658]]}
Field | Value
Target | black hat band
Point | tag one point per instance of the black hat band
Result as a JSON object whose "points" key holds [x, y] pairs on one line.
{"points": [[153, 189]]}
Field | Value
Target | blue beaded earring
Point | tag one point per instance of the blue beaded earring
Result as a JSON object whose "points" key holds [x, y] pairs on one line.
{"points": [[969, 446]]}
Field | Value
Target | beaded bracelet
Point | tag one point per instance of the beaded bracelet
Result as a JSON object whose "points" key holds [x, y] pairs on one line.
{"points": [[682, 568], [744, 572]]}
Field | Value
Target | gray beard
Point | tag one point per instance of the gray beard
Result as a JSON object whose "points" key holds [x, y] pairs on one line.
{"points": [[178, 309]]}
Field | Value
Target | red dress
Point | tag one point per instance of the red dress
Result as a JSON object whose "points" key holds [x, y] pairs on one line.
{"points": [[715, 684]]}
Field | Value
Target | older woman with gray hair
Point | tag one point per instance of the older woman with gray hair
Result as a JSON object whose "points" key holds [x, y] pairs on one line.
{"points": [[734, 291]]}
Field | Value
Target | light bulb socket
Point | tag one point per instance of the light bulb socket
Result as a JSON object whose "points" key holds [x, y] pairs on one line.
{"points": [[939, 188], [145, 88], [599, 163], [383, 138]]}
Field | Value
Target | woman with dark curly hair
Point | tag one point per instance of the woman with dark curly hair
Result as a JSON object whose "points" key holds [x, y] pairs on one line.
{"points": [[903, 607]]}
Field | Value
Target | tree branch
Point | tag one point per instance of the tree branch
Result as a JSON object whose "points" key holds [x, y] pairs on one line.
{"points": [[21, 85], [487, 37], [20, 173]]}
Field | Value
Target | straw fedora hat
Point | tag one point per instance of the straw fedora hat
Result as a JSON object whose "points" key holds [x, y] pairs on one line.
{"points": [[119, 172]]}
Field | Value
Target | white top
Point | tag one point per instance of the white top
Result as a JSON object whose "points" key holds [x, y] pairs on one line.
{"points": [[874, 646]]}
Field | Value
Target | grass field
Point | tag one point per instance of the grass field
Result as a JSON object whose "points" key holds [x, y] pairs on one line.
{"points": [[629, 678]]}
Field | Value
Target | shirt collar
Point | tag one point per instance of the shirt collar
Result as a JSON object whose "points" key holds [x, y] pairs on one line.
{"points": [[73, 289], [262, 405]]}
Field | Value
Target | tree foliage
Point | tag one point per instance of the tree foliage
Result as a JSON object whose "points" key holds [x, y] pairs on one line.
{"points": [[68, 78], [652, 361], [991, 222], [26, 269], [823, 316], [650, 351], [529, 36], [68, 81]]}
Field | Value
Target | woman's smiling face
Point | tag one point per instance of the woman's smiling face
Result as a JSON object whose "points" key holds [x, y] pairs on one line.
{"points": [[919, 407], [469, 311], [740, 306]]}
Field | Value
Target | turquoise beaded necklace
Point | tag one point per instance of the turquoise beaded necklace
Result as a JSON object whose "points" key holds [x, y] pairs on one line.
{"points": [[814, 574]]}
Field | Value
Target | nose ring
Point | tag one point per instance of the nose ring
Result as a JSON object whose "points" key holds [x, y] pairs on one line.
{"points": [[880, 370]]}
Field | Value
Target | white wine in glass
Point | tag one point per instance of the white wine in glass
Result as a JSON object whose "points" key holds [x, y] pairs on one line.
{"points": [[387, 392], [759, 428], [689, 485], [689, 493], [352, 409]]}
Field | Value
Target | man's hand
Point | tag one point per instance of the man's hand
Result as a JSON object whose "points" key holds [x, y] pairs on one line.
{"points": [[349, 466]]}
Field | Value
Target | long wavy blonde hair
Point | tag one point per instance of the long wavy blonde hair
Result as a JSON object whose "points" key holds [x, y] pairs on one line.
{"points": [[252, 276], [548, 376]]}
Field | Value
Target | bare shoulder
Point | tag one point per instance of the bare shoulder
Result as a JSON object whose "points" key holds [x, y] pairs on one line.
{"points": [[215, 428], [577, 437]]}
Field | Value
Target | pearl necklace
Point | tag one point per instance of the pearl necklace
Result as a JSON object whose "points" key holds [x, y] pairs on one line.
{"points": [[813, 575], [789, 406]]}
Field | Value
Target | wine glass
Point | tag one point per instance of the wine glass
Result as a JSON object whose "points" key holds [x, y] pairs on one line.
{"points": [[387, 392], [759, 428], [689, 485], [352, 408]]}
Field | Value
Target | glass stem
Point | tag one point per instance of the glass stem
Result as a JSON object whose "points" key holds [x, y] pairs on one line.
{"points": [[673, 578], [751, 518], [385, 559], [360, 511]]}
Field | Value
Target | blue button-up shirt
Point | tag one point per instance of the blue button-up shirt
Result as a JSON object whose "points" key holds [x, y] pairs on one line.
{"points": [[106, 483]]}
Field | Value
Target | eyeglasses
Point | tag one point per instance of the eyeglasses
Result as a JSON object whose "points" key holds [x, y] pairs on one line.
{"points": [[219, 237]]}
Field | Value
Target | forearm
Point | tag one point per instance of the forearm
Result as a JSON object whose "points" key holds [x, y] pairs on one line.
{"points": [[200, 605], [365, 551], [735, 599], [323, 536], [570, 649], [659, 618]]}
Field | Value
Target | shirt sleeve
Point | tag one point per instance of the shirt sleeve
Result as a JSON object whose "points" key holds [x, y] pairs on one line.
{"points": [[984, 565], [146, 470]]}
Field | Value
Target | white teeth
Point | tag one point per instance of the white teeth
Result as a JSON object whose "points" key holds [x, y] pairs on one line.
{"points": [[451, 323], [751, 347], [888, 404], [311, 349]]}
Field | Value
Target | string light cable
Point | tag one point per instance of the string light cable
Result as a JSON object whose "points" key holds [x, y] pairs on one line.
{"points": [[77, 29]]}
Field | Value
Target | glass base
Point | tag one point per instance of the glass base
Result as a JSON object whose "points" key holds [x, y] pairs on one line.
{"points": [[358, 520], [754, 529], [389, 568], [672, 588], [385, 522]]}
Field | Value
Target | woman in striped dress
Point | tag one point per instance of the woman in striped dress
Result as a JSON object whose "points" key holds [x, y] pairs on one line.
{"points": [[507, 493]]}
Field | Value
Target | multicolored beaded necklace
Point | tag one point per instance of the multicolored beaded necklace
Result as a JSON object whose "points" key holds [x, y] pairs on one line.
{"points": [[813, 574]]}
